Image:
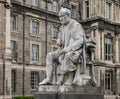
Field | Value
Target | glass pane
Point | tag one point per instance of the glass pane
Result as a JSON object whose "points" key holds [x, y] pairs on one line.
{"points": [[87, 8], [107, 11], [108, 48], [35, 28], [34, 80], [13, 22], [35, 52], [35, 2]]}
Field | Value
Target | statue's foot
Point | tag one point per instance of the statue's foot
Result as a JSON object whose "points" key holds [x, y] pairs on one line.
{"points": [[59, 83], [67, 84], [45, 82]]}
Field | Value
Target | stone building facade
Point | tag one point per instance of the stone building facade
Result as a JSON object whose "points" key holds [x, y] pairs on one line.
{"points": [[27, 21]]}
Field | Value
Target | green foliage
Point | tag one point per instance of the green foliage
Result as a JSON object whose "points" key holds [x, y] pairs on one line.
{"points": [[23, 97]]}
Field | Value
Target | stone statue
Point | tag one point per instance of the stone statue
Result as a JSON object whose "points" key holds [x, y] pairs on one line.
{"points": [[70, 53]]}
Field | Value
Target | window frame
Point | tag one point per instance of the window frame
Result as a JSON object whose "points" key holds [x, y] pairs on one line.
{"points": [[36, 20], [39, 53], [55, 32], [87, 9], [15, 26], [108, 80], [55, 7], [13, 79], [35, 53], [13, 50], [74, 11], [107, 9], [35, 3], [108, 56], [35, 28], [34, 81]]}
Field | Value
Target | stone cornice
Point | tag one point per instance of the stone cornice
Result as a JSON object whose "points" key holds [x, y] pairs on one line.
{"points": [[14, 2], [102, 24], [99, 18]]}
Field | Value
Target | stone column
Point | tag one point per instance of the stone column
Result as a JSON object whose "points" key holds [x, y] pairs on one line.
{"points": [[7, 50], [102, 79], [98, 51], [101, 29], [117, 81]]}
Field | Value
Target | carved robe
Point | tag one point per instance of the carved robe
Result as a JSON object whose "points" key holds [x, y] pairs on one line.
{"points": [[72, 36]]}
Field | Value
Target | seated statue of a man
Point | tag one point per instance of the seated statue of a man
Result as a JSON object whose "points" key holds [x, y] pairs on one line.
{"points": [[70, 48]]}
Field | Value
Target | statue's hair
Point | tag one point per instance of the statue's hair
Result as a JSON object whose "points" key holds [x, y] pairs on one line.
{"points": [[65, 11]]}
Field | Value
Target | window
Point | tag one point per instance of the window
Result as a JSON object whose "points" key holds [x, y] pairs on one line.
{"points": [[34, 80], [20, 0], [35, 2], [55, 6], [107, 11], [108, 79], [35, 52], [108, 48], [73, 11], [87, 9], [55, 32], [35, 28], [13, 21], [65, 1], [13, 80], [55, 48], [13, 50]]}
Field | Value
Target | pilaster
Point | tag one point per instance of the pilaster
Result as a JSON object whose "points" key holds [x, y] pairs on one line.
{"points": [[101, 31], [7, 51], [98, 45]]}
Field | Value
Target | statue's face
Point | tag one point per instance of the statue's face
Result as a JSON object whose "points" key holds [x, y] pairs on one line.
{"points": [[64, 19]]}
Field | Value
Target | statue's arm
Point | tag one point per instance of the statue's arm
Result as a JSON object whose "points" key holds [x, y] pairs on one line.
{"points": [[59, 40], [60, 43]]}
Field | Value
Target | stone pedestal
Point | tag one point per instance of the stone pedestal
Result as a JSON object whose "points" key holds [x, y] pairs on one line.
{"points": [[68, 92], [69, 89], [67, 96]]}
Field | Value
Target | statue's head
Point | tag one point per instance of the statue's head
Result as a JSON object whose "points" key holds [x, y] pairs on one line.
{"points": [[64, 15]]}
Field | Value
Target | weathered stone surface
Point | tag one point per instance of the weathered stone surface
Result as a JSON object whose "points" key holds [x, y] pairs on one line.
{"points": [[73, 89], [67, 96]]}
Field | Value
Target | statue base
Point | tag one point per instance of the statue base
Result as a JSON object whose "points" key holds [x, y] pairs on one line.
{"points": [[45, 95], [69, 89], [68, 92]]}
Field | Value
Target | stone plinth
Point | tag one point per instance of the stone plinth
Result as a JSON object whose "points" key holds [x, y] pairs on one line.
{"points": [[68, 92], [67, 96], [69, 89]]}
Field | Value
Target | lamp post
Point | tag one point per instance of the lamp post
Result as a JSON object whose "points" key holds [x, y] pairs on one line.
{"points": [[24, 16]]}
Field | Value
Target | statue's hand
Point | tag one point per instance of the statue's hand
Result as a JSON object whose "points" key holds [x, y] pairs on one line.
{"points": [[59, 42]]}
